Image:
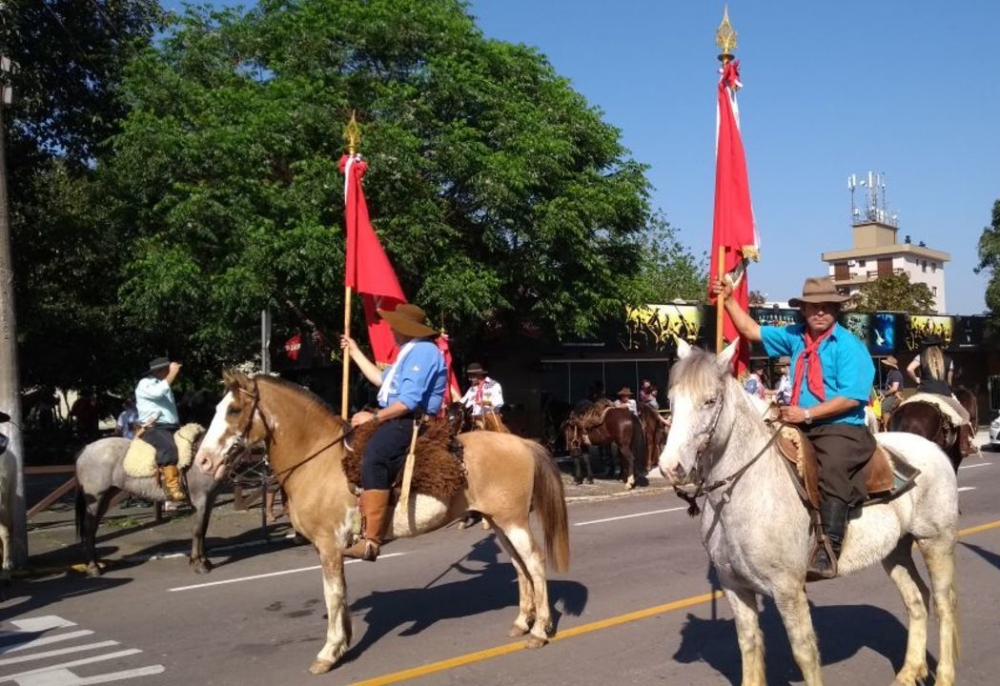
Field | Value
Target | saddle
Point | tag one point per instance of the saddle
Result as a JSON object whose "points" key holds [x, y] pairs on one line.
{"points": [[140, 460], [593, 416], [887, 476], [438, 470], [490, 421], [937, 401]]}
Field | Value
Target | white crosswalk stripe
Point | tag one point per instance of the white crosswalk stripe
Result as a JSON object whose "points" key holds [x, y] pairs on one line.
{"points": [[46, 651]]}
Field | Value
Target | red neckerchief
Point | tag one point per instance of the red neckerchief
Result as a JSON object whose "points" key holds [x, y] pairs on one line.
{"points": [[478, 399], [810, 356]]}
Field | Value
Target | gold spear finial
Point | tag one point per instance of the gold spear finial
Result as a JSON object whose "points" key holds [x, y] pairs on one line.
{"points": [[725, 37], [352, 134]]}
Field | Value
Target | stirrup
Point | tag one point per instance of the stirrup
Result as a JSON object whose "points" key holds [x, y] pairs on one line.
{"points": [[816, 573], [363, 549]]}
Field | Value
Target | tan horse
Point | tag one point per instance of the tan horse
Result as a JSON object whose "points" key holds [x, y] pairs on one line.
{"points": [[507, 477]]}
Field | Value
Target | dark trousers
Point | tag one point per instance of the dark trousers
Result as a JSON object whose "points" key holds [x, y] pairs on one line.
{"points": [[842, 451], [162, 438], [385, 453]]}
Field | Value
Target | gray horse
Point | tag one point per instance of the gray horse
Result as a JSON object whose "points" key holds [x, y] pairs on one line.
{"points": [[756, 529], [100, 474]]}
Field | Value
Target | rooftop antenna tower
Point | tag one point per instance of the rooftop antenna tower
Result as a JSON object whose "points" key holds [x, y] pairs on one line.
{"points": [[876, 207]]}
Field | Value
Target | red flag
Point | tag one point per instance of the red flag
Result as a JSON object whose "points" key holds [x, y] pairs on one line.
{"points": [[368, 270], [452, 392], [733, 228]]}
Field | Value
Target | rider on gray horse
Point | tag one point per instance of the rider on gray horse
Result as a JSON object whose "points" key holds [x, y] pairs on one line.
{"points": [[832, 374], [154, 401]]}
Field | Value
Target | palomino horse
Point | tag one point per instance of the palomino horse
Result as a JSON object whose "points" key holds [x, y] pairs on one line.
{"points": [[612, 426], [100, 474], [756, 528], [927, 420], [506, 476]]}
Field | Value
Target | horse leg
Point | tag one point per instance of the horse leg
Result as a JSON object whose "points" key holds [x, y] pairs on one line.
{"points": [[520, 537], [95, 508], [939, 554], [526, 607], [627, 461], [744, 606], [901, 569], [794, 609], [338, 627], [202, 511]]}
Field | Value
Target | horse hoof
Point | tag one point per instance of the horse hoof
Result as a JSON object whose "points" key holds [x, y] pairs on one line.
{"points": [[516, 632], [201, 566], [535, 642], [320, 667], [94, 571]]}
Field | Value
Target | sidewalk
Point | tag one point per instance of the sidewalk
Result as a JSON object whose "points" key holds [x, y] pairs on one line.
{"points": [[131, 536]]}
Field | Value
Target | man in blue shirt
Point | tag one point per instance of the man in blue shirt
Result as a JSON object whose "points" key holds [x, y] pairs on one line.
{"points": [[154, 402], [413, 386], [832, 375]]}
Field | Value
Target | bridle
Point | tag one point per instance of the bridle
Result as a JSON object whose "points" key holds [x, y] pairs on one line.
{"points": [[706, 489]]}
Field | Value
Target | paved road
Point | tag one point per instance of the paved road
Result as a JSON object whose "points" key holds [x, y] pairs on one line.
{"points": [[632, 610]]}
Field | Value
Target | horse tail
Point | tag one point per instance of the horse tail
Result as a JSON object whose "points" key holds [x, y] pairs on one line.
{"points": [[640, 454], [549, 504]]}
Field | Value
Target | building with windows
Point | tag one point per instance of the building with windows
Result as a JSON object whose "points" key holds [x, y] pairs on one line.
{"points": [[876, 252]]}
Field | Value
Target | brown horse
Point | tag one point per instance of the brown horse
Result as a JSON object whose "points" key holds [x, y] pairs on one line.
{"points": [[460, 419], [925, 419], [506, 477], [599, 424], [654, 432]]}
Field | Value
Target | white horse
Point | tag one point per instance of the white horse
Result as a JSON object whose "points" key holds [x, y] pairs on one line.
{"points": [[757, 532]]}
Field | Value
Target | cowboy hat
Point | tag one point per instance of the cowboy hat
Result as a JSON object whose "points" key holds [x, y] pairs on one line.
{"points": [[625, 391], [475, 368], [890, 362], [784, 361], [819, 289], [932, 339], [408, 320], [158, 363]]}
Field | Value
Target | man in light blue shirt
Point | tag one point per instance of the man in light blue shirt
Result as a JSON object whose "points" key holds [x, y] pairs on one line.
{"points": [[412, 387], [154, 401], [832, 375]]}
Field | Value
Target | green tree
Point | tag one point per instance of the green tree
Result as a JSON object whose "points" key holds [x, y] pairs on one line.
{"points": [[497, 191], [668, 270], [895, 293], [70, 59], [989, 262]]}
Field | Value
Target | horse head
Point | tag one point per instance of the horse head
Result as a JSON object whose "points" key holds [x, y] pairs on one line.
{"points": [[236, 426], [701, 419]]}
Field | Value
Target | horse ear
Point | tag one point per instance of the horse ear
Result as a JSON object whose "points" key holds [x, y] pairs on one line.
{"points": [[725, 358], [230, 379], [683, 347]]}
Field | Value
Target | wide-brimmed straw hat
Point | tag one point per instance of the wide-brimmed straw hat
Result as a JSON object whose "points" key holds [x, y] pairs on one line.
{"points": [[932, 339], [625, 391], [158, 363], [890, 362], [819, 289], [408, 320], [475, 368]]}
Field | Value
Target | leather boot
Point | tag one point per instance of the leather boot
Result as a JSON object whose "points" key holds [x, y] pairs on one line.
{"points": [[833, 514], [965, 444], [172, 483], [374, 505]]}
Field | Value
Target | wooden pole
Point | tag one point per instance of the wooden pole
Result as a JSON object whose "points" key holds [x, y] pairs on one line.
{"points": [[720, 304], [345, 387]]}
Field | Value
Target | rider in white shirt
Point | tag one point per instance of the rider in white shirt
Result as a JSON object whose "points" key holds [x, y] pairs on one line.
{"points": [[485, 394]]}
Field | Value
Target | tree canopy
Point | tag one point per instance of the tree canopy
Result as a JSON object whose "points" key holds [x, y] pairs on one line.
{"points": [[989, 262], [895, 293]]}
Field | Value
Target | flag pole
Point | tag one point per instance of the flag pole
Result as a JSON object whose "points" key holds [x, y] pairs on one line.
{"points": [[352, 133], [725, 38]]}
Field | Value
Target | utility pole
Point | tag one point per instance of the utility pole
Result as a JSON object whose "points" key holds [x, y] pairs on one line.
{"points": [[10, 389]]}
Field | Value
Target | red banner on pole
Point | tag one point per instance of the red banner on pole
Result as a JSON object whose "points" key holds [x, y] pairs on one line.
{"points": [[733, 228]]}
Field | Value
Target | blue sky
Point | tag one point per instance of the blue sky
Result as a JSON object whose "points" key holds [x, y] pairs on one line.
{"points": [[830, 89]]}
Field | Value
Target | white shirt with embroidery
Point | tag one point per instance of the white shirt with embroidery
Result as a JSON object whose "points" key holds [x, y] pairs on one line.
{"points": [[484, 397]]}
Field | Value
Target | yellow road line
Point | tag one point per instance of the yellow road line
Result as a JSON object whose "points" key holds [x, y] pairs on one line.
{"points": [[490, 653]]}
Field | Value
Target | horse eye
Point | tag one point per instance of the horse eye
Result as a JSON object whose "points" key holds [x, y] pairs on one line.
{"points": [[233, 411], [710, 402]]}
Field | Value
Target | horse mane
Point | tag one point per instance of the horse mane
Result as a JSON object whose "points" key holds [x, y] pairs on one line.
{"points": [[311, 398], [696, 374]]}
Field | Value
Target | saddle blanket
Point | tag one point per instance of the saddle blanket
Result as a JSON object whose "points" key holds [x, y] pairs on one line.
{"points": [[438, 469], [937, 401], [140, 460]]}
